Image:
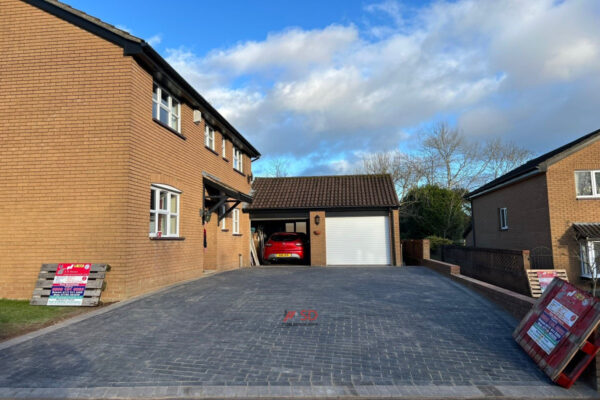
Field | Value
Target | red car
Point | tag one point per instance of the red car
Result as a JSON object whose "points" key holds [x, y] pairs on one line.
{"points": [[285, 246]]}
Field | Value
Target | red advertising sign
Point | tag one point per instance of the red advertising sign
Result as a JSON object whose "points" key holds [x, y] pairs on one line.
{"points": [[69, 285], [557, 327], [545, 277]]}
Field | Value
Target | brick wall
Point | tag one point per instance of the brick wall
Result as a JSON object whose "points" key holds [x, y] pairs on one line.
{"points": [[565, 208], [318, 249], [396, 241], [528, 225], [78, 154]]}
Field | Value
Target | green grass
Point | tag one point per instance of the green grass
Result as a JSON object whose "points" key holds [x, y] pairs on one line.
{"points": [[18, 316]]}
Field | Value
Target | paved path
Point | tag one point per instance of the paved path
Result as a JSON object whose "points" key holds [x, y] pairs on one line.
{"points": [[379, 332]]}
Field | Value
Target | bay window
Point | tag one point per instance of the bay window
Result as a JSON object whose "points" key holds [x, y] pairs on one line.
{"points": [[165, 108], [164, 211], [590, 258]]}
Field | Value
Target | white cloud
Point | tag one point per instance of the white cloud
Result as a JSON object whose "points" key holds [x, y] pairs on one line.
{"points": [[499, 67], [154, 40]]}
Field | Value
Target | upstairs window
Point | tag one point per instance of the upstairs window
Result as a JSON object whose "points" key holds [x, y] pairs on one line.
{"points": [[224, 148], [503, 214], [235, 216], [165, 108], [164, 211], [587, 183], [209, 137], [238, 163], [223, 223]]}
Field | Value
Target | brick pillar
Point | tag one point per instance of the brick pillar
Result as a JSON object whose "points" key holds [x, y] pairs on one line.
{"points": [[396, 244], [318, 254], [426, 247]]}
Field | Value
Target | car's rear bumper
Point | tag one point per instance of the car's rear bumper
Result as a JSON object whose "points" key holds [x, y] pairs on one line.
{"points": [[288, 256]]}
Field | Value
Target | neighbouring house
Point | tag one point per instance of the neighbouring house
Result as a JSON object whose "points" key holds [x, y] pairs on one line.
{"points": [[108, 155], [550, 206], [350, 220]]}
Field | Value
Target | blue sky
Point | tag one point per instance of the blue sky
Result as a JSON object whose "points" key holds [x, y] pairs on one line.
{"points": [[319, 83]]}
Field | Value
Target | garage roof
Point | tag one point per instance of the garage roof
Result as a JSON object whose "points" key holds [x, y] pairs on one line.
{"points": [[324, 192]]}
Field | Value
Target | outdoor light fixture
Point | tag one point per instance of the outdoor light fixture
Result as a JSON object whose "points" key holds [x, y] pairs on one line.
{"points": [[317, 219]]}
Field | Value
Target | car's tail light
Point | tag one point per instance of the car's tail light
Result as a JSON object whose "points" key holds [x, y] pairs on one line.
{"points": [[268, 244]]}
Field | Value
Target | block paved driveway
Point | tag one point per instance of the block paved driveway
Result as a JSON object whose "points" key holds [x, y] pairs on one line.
{"points": [[377, 326]]}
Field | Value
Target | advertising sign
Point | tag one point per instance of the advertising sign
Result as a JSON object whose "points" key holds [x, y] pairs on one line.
{"points": [[545, 277], [69, 285], [557, 328]]}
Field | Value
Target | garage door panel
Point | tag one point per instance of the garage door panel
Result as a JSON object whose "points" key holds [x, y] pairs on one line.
{"points": [[358, 240]]}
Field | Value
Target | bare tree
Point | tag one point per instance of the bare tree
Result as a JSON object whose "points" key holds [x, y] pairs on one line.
{"points": [[406, 171], [504, 157], [278, 168]]}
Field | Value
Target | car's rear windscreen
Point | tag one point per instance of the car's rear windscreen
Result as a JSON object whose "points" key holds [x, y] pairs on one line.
{"points": [[284, 238]]}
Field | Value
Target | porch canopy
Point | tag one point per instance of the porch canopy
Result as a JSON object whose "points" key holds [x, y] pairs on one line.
{"points": [[220, 198], [587, 230]]}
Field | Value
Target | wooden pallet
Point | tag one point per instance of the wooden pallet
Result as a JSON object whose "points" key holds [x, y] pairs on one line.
{"points": [[565, 363], [93, 290], [534, 282]]}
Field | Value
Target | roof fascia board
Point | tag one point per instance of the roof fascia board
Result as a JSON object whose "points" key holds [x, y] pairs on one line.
{"points": [[300, 209], [572, 150]]}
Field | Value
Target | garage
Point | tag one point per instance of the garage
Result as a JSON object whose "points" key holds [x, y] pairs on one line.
{"points": [[343, 220], [358, 239]]}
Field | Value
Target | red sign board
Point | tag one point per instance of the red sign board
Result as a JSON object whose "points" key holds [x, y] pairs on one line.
{"points": [[545, 277], [557, 327], [69, 285]]}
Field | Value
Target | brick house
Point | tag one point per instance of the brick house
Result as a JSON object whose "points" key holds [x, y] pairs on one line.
{"points": [[549, 205], [349, 219], [108, 155]]}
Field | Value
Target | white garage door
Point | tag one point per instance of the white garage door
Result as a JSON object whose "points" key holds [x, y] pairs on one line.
{"points": [[358, 240]]}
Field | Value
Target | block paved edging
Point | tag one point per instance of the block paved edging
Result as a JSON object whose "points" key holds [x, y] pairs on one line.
{"points": [[82, 317], [302, 392]]}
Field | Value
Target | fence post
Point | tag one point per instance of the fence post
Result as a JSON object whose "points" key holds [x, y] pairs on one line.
{"points": [[426, 249], [526, 260]]}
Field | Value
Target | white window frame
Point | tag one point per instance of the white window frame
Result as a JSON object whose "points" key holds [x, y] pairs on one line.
{"points": [[235, 221], [503, 215], [209, 137], [223, 223], [587, 252], [156, 211], [224, 149], [170, 114], [238, 162], [595, 193]]}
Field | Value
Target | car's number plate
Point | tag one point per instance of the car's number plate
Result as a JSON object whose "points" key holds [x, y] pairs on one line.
{"points": [[284, 255]]}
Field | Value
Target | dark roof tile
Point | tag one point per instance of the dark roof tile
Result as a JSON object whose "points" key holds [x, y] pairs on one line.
{"points": [[342, 191]]}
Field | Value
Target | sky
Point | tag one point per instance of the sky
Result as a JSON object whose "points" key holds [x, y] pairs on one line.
{"points": [[319, 84]]}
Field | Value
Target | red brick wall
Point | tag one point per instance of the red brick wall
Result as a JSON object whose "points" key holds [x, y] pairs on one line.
{"points": [[565, 208], [528, 225], [78, 153]]}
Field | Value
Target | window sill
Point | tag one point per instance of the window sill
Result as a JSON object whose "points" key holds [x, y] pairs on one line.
{"points": [[238, 234], [503, 229], [211, 150], [239, 172], [167, 127], [226, 159], [166, 238], [225, 230], [587, 197]]}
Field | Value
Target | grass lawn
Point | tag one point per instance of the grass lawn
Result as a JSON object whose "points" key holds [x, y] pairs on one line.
{"points": [[18, 317]]}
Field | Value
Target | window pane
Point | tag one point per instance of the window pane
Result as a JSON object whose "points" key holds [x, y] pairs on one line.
{"points": [[164, 98], [583, 183], [173, 225], [164, 116], [162, 223], [174, 122], [154, 107], [597, 183], [174, 106], [152, 222], [152, 199], [163, 200], [174, 204]]}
